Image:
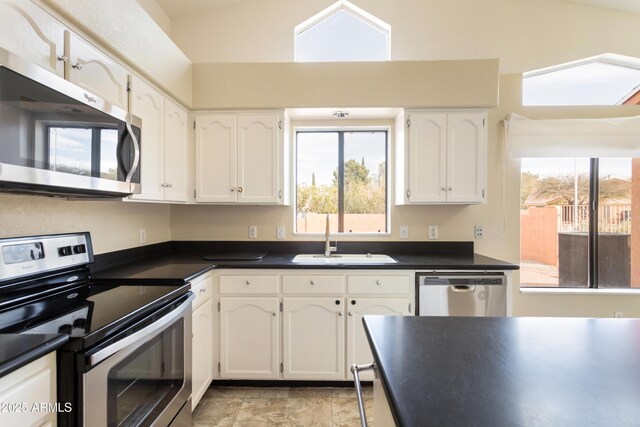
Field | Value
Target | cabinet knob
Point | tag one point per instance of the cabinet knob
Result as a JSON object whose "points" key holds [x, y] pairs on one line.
{"points": [[450, 189], [247, 282], [443, 189], [274, 314], [233, 189], [63, 58], [311, 282], [350, 314], [169, 185], [240, 189], [378, 282], [279, 194], [340, 313], [203, 290], [77, 66]]}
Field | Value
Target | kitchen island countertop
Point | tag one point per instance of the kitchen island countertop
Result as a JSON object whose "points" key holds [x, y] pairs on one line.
{"points": [[491, 371]]}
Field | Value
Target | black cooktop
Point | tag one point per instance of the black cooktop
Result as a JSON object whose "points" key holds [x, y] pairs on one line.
{"points": [[86, 312]]}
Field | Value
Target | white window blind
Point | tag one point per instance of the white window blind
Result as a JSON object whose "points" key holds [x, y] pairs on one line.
{"points": [[611, 137]]}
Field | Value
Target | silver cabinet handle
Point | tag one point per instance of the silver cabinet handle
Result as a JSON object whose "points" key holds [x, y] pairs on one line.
{"points": [[169, 185], [378, 282], [350, 313], [77, 66], [280, 194], [355, 370], [311, 282], [340, 313], [63, 58], [247, 282], [408, 194]]}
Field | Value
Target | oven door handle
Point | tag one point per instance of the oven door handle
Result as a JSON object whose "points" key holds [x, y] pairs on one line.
{"points": [[156, 326]]}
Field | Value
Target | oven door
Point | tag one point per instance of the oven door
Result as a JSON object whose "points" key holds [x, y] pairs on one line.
{"points": [[143, 379]]}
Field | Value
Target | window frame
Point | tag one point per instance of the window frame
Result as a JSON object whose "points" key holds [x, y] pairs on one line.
{"points": [[350, 8], [592, 241], [337, 129]]}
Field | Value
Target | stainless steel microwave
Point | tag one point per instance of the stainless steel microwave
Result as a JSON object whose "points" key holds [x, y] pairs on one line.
{"points": [[57, 138]]}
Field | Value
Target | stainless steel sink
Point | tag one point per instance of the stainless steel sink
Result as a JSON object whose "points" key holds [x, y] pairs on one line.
{"points": [[344, 259]]}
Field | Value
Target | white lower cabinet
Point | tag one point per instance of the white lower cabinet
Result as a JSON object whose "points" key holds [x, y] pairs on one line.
{"points": [[358, 350], [202, 338], [313, 338], [32, 384], [249, 337], [292, 326]]}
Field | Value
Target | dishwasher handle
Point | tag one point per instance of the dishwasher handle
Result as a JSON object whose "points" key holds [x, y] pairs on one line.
{"points": [[355, 370], [463, 288]]}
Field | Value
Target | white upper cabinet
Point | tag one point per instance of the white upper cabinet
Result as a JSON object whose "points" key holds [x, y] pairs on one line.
{"points": [[445, 158], [259, 158], [240, 158], [176, 136], [164, 144], [216, 159], [30, 32], [90, 68]]}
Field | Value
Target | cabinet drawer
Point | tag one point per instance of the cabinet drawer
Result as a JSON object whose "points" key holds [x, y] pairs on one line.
{"points": [[202, 288], [310, 284], [379, 284], [246, 284]]}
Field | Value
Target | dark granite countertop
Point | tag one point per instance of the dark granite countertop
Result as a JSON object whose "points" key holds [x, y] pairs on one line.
{"points": [[183, 260], [17, 350], [463, 371]]}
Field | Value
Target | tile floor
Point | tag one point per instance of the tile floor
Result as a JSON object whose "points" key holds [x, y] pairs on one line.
{"points": [[279, 406]]}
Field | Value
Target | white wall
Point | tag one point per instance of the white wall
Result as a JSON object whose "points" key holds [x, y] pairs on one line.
{"points": [[523, 34]]}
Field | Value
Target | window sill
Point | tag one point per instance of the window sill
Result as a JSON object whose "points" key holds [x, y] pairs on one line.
{"points": [[578, 291]]}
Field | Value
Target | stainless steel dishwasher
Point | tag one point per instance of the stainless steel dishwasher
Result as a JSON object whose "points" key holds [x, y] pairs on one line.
{"points": [[461, 294]]}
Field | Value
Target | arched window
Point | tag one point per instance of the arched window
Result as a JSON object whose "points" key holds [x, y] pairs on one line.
{"points": [[342, 32], [601, 80]]}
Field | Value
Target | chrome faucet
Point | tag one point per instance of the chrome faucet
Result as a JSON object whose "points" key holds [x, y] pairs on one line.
{"points": [[327, 243]]}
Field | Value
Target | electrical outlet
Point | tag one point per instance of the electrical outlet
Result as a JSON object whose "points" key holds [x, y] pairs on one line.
{"points": [[404, 232], [253, 231], [280, 232], [478, 231], [618, 314], [433, 231], [143, 235]]}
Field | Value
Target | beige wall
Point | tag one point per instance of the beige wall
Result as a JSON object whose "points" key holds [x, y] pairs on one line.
{"points": [[524, 34], [124, 28], [113, 224], [409, 84]]}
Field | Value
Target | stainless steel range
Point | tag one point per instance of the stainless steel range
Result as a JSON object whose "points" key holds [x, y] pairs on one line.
{"points": [[128, 361]]}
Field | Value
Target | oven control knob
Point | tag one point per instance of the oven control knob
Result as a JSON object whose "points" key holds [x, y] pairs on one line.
{"points": [[65, 329], [79, 249], [65, 251]]}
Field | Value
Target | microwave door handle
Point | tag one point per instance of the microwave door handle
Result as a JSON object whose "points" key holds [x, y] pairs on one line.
{"points": [[136, 155]]}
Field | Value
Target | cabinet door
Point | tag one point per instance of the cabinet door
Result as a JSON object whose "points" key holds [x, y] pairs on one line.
{"points": [[427, 157], [313, 338], [216, 159], [466, 154], [32, 33], [249, 338], [202, 365], [98, 73], [175, 152], [358, 350], [258, 158], [148, 104]]}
